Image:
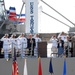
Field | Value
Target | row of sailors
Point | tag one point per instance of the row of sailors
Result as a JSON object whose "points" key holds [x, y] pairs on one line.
{"points": [[20, 43]]}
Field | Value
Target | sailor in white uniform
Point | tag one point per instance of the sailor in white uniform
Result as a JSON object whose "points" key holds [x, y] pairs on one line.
{"points": [[23, 46], [13, 41], [6, 46], [37, 39], [18, 43]]}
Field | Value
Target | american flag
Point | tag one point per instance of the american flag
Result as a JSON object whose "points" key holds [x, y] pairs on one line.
{"points": [[15, 65], [15, 68]]}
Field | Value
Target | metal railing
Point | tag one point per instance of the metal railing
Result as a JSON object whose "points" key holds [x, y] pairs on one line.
{"points": [[22, 51]]}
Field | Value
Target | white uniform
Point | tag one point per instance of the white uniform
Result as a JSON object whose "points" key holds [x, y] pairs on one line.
{"points": [[37, 39], [54, 42], [54, 46], [13, 44], [18, 43], [23, 46], [6, 47]]}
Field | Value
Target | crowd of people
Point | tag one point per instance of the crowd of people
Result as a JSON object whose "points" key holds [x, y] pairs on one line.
{"points": [[28, 45], [61, 45], [24, 45]]}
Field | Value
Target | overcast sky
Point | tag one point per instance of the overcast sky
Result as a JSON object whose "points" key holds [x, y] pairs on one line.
{"points": [[48, 24]]}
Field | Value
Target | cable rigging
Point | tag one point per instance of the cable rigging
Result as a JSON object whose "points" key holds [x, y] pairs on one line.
{"points": [[56, 19], [58, 12]]}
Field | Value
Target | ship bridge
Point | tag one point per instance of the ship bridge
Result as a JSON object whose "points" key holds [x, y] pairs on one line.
{"points": [[9, 25]]}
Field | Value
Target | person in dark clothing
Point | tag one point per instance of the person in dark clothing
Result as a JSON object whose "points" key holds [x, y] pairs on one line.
{"points": [[31, 44], [60, 47], [1, 46], [67, 46]]}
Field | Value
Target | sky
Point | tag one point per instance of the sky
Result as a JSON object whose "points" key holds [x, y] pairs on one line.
{"points": [[14, 3], [48, 24]]}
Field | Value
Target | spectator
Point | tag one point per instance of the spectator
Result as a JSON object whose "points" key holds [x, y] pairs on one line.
{"points": [[60, 47], [31, 44], [53, 40], [67, 46], [62, 35]]}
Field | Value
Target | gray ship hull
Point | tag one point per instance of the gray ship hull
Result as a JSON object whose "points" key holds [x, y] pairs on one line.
{"points": [[32, 66]]}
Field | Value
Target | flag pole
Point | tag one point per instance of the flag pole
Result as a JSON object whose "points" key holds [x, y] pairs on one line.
{"points": [[50, 66], [64, 66], [14, 54], [15, 64], [51, 59], [25, 67], [39, 66]]}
